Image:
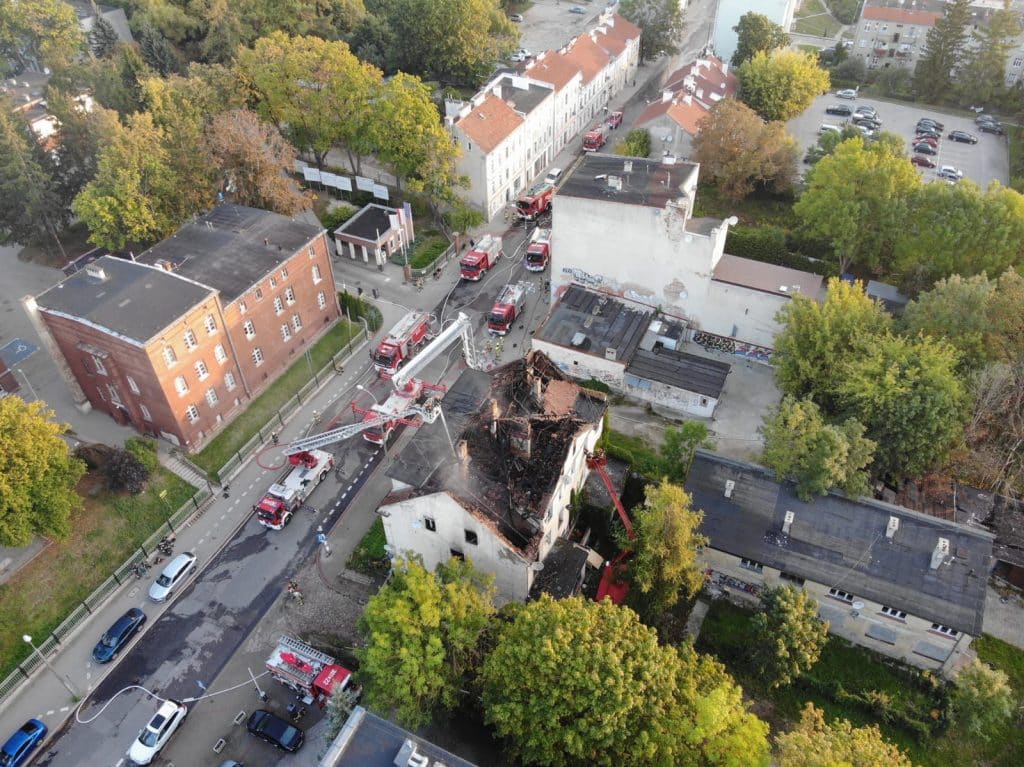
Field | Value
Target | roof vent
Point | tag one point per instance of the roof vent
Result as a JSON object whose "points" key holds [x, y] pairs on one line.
{"points": [[892, 527], [941, 552], [579, 339], [96, 272], [615, 182], [609, 353], [787, 522], [783, 289], [415, 758], [730, 485], [627, 166]]}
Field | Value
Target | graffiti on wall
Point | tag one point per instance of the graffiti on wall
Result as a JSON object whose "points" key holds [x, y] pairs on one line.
{"points": [[610, 285]]}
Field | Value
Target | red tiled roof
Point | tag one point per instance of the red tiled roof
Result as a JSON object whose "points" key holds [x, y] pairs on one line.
{"points": [[901, 16], [623, 28], [653, 111], [587, 56], [552, 68], [710, 78], [687, 116], [490, 123]]}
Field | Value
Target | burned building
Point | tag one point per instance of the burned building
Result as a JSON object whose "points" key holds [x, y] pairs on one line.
{"points": [[498, 490]]}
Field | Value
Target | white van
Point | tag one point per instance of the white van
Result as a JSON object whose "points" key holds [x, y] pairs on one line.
{"points": [[553, 175], [172, 576], [829, 128]]}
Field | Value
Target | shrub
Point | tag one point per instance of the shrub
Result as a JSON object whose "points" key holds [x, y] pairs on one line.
{"points": [[126, 472], [144, 449], [357, 308], [427, 250], [636, 144], [463, 218], [772, 245], [595, 385], [337, 217]]}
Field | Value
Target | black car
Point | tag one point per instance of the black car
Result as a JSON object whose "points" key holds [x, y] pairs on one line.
{"points": [[991, 127], [275, 730], [838, 109], [867, 122], [963, 137], [985, 119], [929, 121], [924, 133], [118, 635], [926, 149]]}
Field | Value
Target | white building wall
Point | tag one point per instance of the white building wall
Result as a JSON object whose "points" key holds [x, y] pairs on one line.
{"points": [[581, 365], [672, 397], [742, 313]]}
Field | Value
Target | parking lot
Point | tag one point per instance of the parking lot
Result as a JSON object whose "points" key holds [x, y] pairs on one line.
{"points": [[982, 162], [548, 24]]}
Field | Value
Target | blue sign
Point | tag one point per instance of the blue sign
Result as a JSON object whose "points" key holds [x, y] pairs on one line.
{"points": [[16, 351]]}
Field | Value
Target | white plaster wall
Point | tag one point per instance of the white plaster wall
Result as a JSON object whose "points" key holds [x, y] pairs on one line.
{"points": [[574, 474], [674, 398], [405, 531], [742, 313], [472, 163], [582, 366]]}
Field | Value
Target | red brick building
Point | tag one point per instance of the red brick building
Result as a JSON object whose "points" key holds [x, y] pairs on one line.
{"points": [[178, 341]]}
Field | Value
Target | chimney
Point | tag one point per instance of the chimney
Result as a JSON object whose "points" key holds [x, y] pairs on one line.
{"points": [[941, 552], [700, 94], [687, 99], [666, 95], [609, 353], [95, 271], [787, 522], [521, 439], [892, 527], [730, 485]]}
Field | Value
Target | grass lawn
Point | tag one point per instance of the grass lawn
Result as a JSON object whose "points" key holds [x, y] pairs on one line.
{"points": [[813, 19], [428, 247], [40, 596], [759, 209], [369, 557], [259, 412]]}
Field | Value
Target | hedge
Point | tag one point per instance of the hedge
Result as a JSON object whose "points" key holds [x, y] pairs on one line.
{"points": [[356, 308], [773, 245]]}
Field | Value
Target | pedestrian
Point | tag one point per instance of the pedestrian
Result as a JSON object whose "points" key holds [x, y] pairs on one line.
{"points": [[316, 416], [274, 438], [472, 242]]}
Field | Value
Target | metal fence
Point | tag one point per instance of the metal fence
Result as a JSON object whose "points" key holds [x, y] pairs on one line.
{"points": [[191, 508]]}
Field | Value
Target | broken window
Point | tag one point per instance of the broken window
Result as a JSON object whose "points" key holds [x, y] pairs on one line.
{"points": [[471, 537], [457, 554], [430, 524]]}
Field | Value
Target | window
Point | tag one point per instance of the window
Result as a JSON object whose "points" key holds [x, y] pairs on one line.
{"points": [[892, 612], [945, 630], [311, 252], [202, 371], [278, 305], [430, 524], [242, 308], [1017, 63], [190, 341], [296, 322], [321, 300], [132, 385], [259, 294], [180, 385], [316, 274], [703, 401], [219, 354], [192, 412], [842, 596], [211, 324], [229, 381], [211, 396], [286, 332], [250, 329], [795, 579], [257, 356], [273, 282], [289, 296], [750, 564], [115, 395], [145, 412], [471, 537], [100, 367], [457, 554], [284, 272], [169, 356]]}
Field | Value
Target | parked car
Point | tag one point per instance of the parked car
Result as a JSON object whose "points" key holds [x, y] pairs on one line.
{"points": [[926, 149], [118, 635], [521, 55], [867, 122], [983, 118], [577, 9], [829, 128], [932, 122], [963, 137], [843, 110], [157, 732], [867, 110], [516, 17], [950, 173], [921, 160], [275, 730], [16, 750], [847, 93], [929, 140], [922, 133], [553, 175], [172, 576], [991, 127]]}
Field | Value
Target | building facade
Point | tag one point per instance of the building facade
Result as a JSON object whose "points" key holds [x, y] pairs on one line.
{"points": [[374, 234], [177, 342], [892, 36]]}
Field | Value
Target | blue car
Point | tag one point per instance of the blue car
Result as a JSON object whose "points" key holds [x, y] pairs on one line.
{"points": [[17, 748], [118, 636]]}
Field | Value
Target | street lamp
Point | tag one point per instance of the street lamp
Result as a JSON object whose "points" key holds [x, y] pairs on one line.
{"points": [[29, 383], [63, 679]]}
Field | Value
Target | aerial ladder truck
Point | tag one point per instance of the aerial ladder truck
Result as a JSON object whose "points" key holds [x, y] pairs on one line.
{"points": [[613, 582]]}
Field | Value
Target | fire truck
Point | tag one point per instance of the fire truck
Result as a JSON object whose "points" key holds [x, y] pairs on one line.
{"points": [[594, 139], [615, 120], [307, 671], [538, 252], [382, 419], [509, 305], [614, 582], [535, 202], [401, 342], [482, 257], [282, 500]]}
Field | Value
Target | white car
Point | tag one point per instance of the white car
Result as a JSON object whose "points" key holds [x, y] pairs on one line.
{"points": [[154, 736], [553, 176], [847, 93], [521, 55], [177, 570], [950, 173]]}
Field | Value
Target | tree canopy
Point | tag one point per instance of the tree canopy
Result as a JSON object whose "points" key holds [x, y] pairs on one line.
{"points": [[741, 152], [44, 31], [38, 474], [661, 22], [573, 681], [422, 631], [788, 637], [982, 74], [944, 44], [781, 84], [755, 33], [814, 743], [982, 699]]}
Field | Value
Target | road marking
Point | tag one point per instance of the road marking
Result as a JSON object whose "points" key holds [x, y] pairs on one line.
{"points": [[50, 712], [343, 495], [201, 540], [119, 762], [224, 515], [367, 464]]}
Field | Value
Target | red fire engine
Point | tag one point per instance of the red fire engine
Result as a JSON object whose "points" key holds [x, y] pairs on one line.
{"points": [[538, 253], [594, 139], [402, 342], [509, 305], [482, 257], [535, 202], [282, 500], [307, 671]]}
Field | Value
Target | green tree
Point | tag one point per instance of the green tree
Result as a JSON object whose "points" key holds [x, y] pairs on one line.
{"points": [[944, 46], [81, 134], [1005, 319], [788, 637], [813, 743], [256, 160], [423, 630], [859, 198], [851, 69], [103, 39], [373, 41], [755, 33], [740, 151], [453, 41], [39, 31], [982, 74], [800, 445], [955, 310], [637, 143], [995, 430], [38, 474], [781, 84], [817, 339], [909, 395], [664, 566], [661, 22], [982, 699], [157, 51], [577, 682], [895, 81], [681, 444]]}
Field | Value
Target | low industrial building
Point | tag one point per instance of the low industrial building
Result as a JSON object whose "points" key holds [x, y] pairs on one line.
{"points": [[374, 234], [499, 492], [904, 584]]}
